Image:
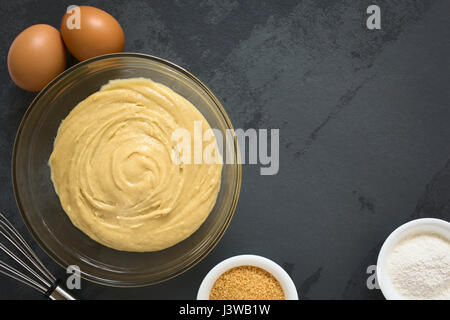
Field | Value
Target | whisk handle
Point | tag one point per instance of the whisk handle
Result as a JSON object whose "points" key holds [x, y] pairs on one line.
{"points": [[59, 293]]}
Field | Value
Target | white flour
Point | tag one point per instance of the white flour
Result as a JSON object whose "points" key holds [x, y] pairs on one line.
{"points": [[419, 267]]}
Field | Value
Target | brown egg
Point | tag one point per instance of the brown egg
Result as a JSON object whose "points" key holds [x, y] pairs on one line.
{"points": [[89, 32], [36, 56]]}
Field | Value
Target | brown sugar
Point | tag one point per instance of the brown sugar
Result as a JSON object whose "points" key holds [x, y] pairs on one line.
{"points": [[246, 283]]}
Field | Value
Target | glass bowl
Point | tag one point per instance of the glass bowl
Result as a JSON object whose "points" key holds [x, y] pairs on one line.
{"points": [[40, 206]]}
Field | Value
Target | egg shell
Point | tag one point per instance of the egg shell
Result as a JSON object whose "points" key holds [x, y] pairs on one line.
{"points": [[36, 56], [96, 34]]}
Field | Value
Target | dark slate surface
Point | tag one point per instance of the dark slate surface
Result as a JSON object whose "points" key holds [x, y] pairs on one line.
{"points": [[363, 117]]}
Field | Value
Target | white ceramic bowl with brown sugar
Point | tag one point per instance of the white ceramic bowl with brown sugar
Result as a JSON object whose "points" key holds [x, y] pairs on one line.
{"points": [[286, 283]]}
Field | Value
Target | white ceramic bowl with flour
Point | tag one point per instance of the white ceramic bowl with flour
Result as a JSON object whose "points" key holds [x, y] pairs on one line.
{"points": [[414, 261]]}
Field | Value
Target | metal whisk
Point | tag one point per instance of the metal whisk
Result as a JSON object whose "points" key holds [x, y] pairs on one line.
{"points": [[34, 273]]}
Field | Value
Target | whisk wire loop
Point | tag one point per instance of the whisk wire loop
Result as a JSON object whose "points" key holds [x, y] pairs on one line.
{"points": [[21, 253]]}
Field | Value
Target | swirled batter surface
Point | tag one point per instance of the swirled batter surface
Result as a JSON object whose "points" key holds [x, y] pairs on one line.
{"points": [[112, 169]]}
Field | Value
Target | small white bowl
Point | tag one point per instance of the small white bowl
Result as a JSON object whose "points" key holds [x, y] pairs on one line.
{"points": [[278, 272], [437, 226]]}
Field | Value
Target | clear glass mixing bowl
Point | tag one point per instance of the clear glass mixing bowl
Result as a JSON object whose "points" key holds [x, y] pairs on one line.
{"points": [[40, 206]]}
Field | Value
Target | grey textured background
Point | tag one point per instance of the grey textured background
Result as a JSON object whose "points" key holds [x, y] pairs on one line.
{"points": [[363, 117]]}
